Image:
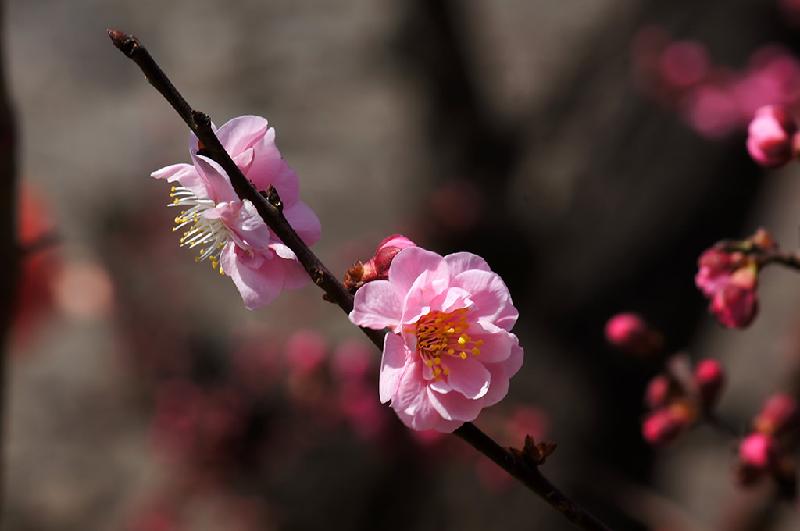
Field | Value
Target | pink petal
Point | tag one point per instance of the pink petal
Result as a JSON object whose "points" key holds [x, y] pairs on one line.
{"points": [[269, 168], [393, 364], [259, 281], [489, 295], [497, 343], [249, 227], [295, 275], [173, 172], [455, 406], [304, 221], [283, 251], [215, 180], [423, 292], [410, 263], [377, 306], [460, 262], [240, 133], [469, 377], [501, 373], [243, 160], [413, 405]]}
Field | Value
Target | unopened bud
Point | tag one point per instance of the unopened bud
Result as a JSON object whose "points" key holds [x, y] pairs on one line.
{"points": [[377, 267], [630, 333], [771, 136], [658, 391], [756, 451], [779, 413], [709, 378], [663, 426]]}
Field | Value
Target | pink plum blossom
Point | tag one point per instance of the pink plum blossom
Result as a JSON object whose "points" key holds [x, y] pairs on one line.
{"points": [[449, 351], [228, 231], [771, 136], [730, 282]]}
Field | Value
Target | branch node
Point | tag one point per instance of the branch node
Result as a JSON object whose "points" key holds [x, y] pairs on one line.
{"points": [[127, 44]]}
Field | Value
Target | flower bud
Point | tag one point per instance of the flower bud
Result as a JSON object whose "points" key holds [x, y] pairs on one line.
{"points": [[771, 136], [779, 413], [663, 425], [630, 333], [658, 391], [377, 267], [756, 451], [709, 378]]}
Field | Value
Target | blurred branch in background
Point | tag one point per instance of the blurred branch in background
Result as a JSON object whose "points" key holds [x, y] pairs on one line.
{"points": [[9, 249]]}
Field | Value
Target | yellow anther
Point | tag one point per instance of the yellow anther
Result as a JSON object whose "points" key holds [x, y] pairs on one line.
{"points": [[462, 340], [429, 363], [451, 351], [437, 371], [446, 371], [437, 361], [479, 342], [451, 330], [476, 351], [463, 355]]}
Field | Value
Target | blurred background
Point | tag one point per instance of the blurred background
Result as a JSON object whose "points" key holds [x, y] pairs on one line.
{"points": [[588, 149]]}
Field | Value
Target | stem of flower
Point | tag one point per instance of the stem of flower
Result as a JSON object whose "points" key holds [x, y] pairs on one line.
{"points": [[334, 290]]}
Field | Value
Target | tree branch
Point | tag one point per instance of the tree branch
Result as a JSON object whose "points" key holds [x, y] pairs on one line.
{"points": [[270, 211]]}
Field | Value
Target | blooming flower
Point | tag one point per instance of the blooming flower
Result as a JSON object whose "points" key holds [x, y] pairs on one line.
{"points": [[450, 351], [227, 231], [771, 136]]}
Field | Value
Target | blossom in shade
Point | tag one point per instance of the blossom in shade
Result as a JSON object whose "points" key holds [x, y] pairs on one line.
{"points": [[771, 136], [664, 425], [449, 351], [229, 232], [778, 413], [630, 333], [729, 280]]}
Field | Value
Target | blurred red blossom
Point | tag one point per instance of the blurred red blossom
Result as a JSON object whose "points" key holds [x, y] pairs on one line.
{"points": [[630, 333], [729, 280]]}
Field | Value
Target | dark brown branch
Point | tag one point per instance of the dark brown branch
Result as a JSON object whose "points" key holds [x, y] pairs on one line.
{"points": [[9, 270], [270, 210]]}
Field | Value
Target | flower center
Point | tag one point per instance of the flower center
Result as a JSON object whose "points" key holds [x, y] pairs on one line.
{"points": [[210, 235], [444, 334]]}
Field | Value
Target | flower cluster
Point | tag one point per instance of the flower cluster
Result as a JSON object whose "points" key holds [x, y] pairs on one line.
{"points": [[728, 276], [766, 451], [679, 397], [229, 232], [714, 100], [449, 351]]}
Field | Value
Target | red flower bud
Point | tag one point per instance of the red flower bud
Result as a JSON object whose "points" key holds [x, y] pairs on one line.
{"points": [[756, 451], [658, 391], [710, 378], [630, 333], [664, 425], [377, 267], [771, 136]]}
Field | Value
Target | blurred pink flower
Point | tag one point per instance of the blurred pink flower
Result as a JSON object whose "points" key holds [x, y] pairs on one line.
{"points": [[771, 136], [663, 425], [709, 377], [305, 351], [352, 361], [229, 232], [780, 412], [449, 352]]}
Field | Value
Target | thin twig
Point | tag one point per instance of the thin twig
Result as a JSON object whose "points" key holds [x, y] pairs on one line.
{"points": [[334, 290]]}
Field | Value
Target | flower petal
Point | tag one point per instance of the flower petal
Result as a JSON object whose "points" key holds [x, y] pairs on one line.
{"points": [[501, 373], [377, 306], [469, 377], [304, 221], [497, 343], [463, 261], [410, 263], [393, 364], [490, 297], [218, 186], [259, 281], [455, 406], [240, 133]]}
